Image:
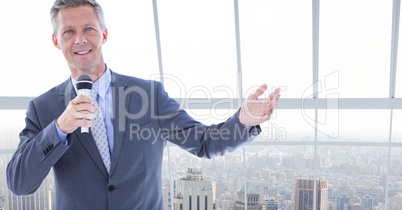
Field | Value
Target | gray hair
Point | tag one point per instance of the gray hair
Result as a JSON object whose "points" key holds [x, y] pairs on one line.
{"points": [[62, 4]]}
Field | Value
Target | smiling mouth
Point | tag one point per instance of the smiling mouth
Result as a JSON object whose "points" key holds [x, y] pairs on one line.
{"points": [[82, 52]]}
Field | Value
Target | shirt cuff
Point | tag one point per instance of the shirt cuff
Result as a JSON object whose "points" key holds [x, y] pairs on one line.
{"points": [[253, 130], [61, 134]]}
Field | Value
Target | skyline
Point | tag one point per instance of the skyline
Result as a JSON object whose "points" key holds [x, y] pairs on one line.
{"points": [[353, 172]]}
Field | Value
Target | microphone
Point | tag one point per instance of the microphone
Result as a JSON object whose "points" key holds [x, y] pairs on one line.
{"points": [[84, 86]]}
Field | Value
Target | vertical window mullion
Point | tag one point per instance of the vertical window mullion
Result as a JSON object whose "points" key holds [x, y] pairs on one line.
{"points": [[315, 46]]}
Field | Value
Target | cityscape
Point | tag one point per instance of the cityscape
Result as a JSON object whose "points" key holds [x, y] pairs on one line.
{"points": [[268, 176], [355, 181]]}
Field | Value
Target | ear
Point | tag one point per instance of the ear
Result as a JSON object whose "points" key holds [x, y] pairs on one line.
{"points": [[105, 34], [55, 41]]}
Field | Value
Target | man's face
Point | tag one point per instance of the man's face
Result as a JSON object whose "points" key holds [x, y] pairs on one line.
{"points": [[80, 37]]}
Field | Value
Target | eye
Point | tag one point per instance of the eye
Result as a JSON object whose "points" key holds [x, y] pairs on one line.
{"points": [[89, 29], [69, 31]]}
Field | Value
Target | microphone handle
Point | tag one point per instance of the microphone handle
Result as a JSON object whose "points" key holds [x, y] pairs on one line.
{"points": [[85, 92]]}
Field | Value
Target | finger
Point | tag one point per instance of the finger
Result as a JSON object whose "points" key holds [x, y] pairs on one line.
{"points": [[84, 123], [265, 106], [272, 107], [271, 111], [272, 100], [268, 109], [258, 92], [80, 113], [81, 107], [262, 119], [85, 108], [278, 90], [274, 94], [265, 118], [82, 99], [83, 116]]}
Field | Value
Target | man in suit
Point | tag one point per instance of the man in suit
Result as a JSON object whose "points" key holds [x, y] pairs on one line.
{"points": [[138, 118]]}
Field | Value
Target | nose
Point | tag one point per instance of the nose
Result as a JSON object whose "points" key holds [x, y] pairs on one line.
{"points": [[80, 38]]}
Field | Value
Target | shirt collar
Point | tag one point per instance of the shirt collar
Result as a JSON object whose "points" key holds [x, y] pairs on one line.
{"points": [[101, 85]]}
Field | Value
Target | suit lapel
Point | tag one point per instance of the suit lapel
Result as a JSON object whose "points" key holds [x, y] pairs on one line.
{"points": [[67, 93], [120, 103]]}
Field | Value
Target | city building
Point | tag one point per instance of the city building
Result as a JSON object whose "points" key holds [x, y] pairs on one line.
{"points": [[193, 192], [42, 199], [342, 202], [367, 202], [253, 198], [271, 204], [396, 202], [304, 194]]}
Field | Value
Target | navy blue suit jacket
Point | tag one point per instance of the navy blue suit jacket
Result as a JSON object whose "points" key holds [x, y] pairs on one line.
{"points": [[145, 118]]}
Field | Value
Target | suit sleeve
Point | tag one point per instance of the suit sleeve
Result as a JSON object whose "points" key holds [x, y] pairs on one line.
{"points": [[197, 138], [39, 149]]}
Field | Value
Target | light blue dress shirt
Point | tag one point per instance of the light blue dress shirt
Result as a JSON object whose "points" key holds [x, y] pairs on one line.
{"points": [[105, 102]]}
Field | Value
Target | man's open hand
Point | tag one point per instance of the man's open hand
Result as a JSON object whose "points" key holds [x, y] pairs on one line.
{"points": [[254, 111]]}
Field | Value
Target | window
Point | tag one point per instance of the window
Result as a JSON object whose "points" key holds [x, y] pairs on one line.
{"points": [[276, 45], [350, 135], [355, 39]]}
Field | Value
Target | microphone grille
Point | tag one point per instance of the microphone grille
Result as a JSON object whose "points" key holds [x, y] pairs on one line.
{"points": [[84, 82]]}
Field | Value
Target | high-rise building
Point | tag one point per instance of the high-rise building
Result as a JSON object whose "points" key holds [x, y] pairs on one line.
{"points": [[253, 198], [42, 199], [342, 202], [367, 202], [396, 202], [193, 192], [304, 194], [271, 191], [272, 204]]}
